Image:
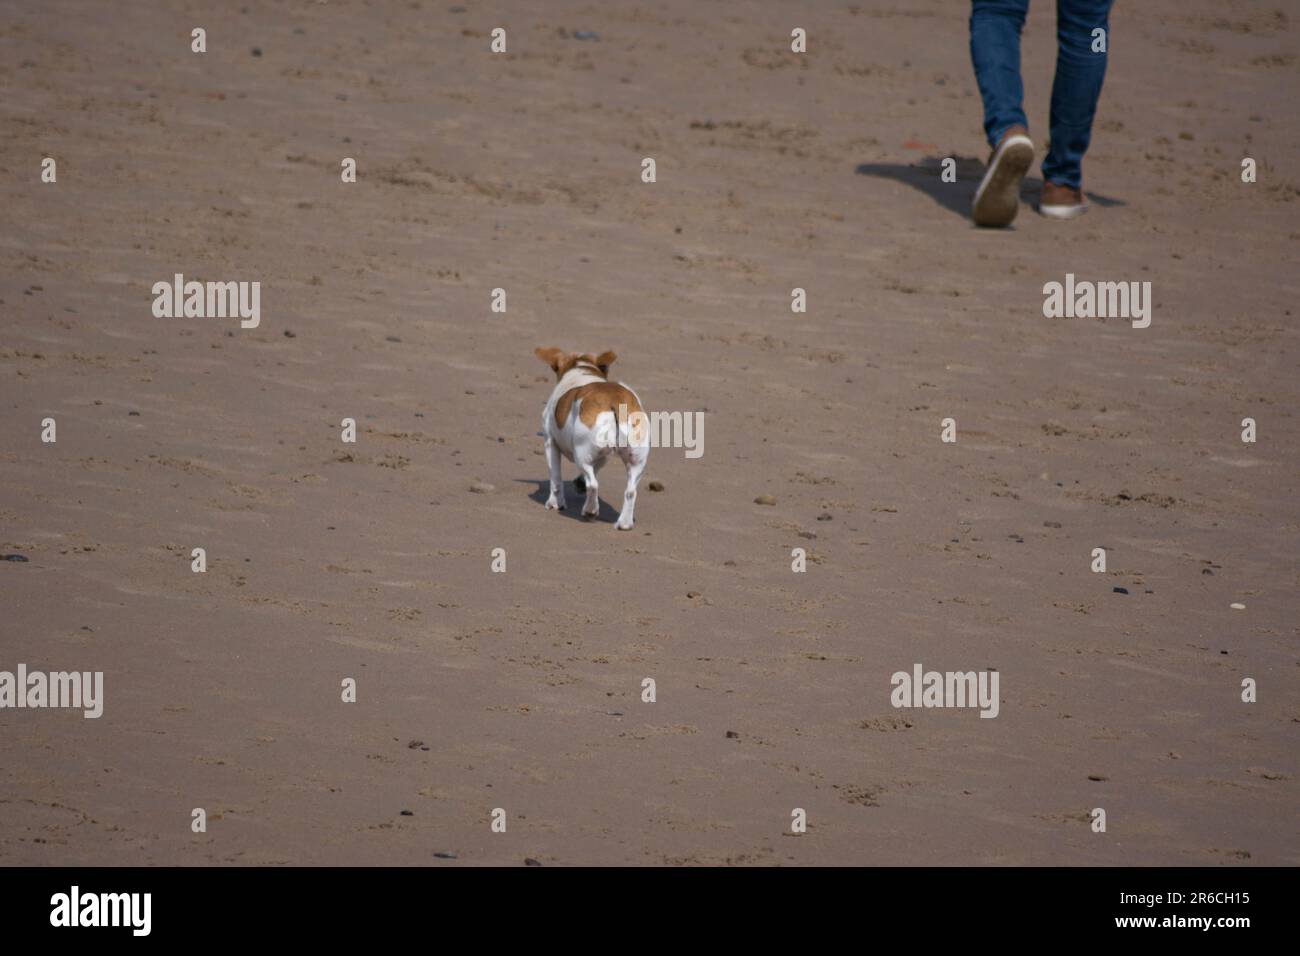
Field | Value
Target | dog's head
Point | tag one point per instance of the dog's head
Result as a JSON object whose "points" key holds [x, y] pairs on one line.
{"points": [[562, 362]]}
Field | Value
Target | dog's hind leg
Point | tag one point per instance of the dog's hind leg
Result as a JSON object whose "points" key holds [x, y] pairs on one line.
{"points": [[634, 458], [556, 501]]}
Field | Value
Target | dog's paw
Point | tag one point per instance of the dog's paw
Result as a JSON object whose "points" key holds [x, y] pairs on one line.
{"points": [[554, 504], [591, 512], [623, 525]]}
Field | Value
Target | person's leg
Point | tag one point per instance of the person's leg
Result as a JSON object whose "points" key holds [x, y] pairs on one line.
{"points": [[995, 51], [995, 27], [1077, 87]]}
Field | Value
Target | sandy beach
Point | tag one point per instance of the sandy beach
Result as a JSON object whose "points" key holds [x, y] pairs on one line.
{"points": [[522, 171]]}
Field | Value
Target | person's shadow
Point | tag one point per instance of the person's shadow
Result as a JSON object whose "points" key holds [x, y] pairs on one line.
{"points": [[926, 176]]}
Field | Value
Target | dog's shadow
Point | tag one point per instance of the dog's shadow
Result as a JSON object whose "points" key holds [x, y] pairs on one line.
{"points": [[573, 500], [926, 176]]}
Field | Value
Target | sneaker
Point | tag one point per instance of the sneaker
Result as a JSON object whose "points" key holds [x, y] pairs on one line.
{"points": [[1062, 202], [998, 198]]}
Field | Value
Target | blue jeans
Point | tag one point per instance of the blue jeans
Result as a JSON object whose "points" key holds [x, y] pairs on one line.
{"points": [[995, 50]]}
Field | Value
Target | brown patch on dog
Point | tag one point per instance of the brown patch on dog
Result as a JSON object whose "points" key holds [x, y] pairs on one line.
{"points": [[564, 404], [596, 398]]}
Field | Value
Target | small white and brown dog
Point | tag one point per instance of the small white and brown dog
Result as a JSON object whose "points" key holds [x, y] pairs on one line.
{"points": [[588, 418]]}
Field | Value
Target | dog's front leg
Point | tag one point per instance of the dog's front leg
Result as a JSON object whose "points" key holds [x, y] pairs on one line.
{"points": [[556, 501], [591, 507]]}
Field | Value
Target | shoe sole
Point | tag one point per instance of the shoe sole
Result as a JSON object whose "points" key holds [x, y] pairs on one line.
{"points": [[1071, 211], [998, 198]]}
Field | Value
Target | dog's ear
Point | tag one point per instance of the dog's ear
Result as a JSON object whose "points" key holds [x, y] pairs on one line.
{"points": [[551, 357], [604, 360]]}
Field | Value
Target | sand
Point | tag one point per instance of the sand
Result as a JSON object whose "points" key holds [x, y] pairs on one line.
{"points": [[522, 690]]}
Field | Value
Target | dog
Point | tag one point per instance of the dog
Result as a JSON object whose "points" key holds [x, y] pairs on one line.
{"points": [[587, 419]]}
